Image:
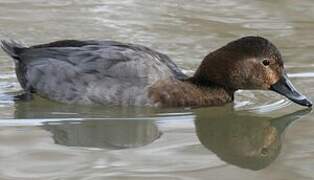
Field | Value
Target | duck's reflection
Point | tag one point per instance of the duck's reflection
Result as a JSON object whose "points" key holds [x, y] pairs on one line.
{"points": [[108, 134], [238, 138], [242, 140], [42, 108], [87, 126]]}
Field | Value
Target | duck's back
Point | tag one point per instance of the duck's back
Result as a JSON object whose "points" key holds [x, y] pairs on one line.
{"points": [[87, 72]]}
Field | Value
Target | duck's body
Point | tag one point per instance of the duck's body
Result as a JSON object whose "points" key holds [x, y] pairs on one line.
{"points": [[88, 72], [114, 73], [186, 93]]}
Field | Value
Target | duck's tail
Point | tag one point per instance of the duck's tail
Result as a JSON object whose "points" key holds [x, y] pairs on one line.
{"points": [[12, 48]]}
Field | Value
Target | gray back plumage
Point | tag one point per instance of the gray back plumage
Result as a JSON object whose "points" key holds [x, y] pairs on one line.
{"points": [[85, 72]]}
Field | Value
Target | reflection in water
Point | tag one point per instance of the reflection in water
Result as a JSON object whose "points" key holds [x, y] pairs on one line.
{"points": [[90, 126], [43, 108], [108, 134], [242, 140]]}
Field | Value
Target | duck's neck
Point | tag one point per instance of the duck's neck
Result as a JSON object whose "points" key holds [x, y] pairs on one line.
{"points": [[188, 93]]}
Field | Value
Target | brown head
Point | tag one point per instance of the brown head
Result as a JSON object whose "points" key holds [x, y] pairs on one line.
{"points": [[248, 63]]}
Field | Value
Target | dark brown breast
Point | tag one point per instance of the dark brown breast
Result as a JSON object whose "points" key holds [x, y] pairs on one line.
{"points": [[177, 93]]}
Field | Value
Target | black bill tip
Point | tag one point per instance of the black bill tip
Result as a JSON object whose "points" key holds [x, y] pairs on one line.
{"points": [[306, 102], [285, 88]]}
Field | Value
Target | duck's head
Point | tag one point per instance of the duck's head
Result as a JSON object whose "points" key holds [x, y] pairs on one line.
{"points": [[249, 63]]}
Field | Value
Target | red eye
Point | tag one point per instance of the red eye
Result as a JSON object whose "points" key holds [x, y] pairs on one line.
{"points": [[266, 62]]}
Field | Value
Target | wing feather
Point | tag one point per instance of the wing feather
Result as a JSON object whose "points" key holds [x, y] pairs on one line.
{"points": [[102, 72]]}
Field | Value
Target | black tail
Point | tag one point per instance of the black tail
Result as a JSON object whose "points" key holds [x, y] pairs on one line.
{"points": [[12, 48]]}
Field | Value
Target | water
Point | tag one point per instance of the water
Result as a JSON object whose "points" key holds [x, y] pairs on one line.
{"points": [[259, 136]]}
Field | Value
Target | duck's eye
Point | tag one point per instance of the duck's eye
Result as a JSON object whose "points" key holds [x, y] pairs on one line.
{"points": [[266, 62]]}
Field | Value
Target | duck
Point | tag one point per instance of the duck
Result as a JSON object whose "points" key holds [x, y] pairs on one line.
{"points": [[124, 74]]}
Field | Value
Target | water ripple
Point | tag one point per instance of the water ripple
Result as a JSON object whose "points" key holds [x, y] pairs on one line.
{"points": [[301, 75], [270, 107]]}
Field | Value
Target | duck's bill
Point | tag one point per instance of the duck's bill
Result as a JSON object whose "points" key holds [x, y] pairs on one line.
{"points": [[285, 88]]}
